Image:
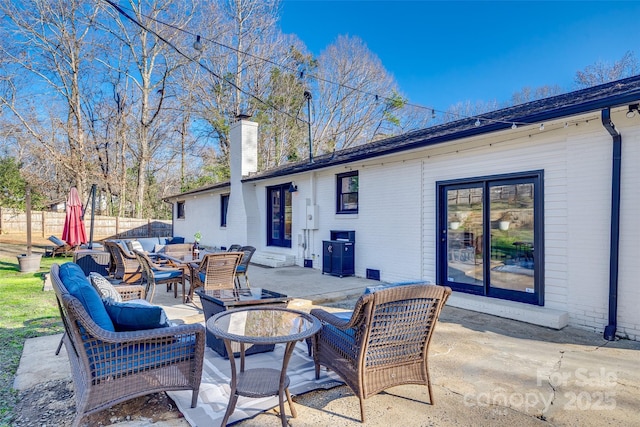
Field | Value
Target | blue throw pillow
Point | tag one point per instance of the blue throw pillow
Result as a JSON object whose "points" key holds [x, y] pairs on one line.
{"points": [[175, 240], [79, 286], [372, 289], [128, 316]]}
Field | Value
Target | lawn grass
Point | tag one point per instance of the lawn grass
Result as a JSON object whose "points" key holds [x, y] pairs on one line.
{"points": [[26, 311]]}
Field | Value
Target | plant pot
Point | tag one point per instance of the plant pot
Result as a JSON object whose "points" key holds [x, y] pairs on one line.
{"points": [[503, 225], [29, 263]]}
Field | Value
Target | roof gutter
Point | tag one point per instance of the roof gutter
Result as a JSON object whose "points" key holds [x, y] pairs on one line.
{"points": [[610, 329]]}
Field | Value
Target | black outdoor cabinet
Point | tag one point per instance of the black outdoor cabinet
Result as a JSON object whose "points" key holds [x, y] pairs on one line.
{"points": [[338, 254]]}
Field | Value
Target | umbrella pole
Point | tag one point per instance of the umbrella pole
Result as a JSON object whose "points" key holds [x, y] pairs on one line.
{"points": [[93, 210], [27, 199]]}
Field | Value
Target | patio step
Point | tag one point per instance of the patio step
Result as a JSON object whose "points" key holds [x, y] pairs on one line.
{"points": [[273, 259]]}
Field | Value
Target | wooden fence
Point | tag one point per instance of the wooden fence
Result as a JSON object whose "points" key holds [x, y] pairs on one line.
{"points": [[45, 224]]}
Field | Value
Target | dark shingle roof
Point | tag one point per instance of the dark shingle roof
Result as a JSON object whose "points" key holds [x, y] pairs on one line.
{"points": [[215, 186], [611, 95]]}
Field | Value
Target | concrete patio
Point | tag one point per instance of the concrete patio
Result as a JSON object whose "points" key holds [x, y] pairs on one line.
{"points": [[485, 370]]}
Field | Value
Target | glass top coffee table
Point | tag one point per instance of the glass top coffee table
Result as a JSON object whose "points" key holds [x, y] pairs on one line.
{"points": [[261, 325], [216, 300]]}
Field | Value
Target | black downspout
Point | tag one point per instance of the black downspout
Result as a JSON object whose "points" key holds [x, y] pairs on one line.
{"points": [[610, 329]]}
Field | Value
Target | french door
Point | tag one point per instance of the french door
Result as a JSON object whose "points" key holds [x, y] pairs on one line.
{"points": [[279, 216], [490, 236]]}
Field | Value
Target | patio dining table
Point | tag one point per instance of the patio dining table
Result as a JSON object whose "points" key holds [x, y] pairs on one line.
{"points": [[182, 260]]}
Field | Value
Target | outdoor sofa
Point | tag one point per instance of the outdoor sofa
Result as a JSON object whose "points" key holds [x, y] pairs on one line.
{"points": [[113, 357], [150, 244]]}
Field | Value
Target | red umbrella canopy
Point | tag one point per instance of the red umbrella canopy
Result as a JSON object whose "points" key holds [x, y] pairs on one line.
{"points": [[74, 232]]}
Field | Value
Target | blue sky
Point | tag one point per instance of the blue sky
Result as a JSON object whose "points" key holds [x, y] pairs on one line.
{"points": [[444, 52]]}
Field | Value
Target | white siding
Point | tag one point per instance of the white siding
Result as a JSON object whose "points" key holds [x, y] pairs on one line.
{"points": [[629, 273], [589, 201], [395, 226], [518, 156], [202, 213]]}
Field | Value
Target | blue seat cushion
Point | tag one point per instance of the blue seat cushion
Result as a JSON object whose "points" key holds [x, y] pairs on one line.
{"points": [[56, 241], [162, 275], [241, 269], [372, 289], [344, 340], [148, 243], [79, 286], [127, 316], [114, 360]]}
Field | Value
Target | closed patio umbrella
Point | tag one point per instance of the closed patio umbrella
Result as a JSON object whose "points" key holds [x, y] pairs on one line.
{"points": [[74, 232]]}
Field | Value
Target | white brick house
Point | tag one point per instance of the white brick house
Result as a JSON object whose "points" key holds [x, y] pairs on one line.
{"points": [[520, 220]]}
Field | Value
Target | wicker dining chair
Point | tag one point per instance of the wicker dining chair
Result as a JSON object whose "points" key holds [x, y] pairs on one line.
{"points": [[215, 271], [242, 268], [154, 274], [384, 343]]}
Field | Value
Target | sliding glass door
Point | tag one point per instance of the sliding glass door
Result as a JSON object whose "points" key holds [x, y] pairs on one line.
{"points": [[491, 234]]}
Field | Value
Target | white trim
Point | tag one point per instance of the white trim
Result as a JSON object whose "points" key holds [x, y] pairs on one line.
{"points": [[536, 315]]}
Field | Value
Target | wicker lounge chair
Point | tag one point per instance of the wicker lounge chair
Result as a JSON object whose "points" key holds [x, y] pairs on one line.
{"points": [[61, 248], [242, 268], [127, 265], [112, 367], [385, 341], [215, 271], [125, 293]]}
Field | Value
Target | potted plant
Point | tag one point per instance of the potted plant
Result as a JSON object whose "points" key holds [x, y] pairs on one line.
{"points": [[196, 238], [505, 221], [454, 224]]}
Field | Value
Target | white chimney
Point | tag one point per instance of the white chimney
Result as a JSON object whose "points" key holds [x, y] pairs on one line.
{"points": [[243, 140], [242, 220]]}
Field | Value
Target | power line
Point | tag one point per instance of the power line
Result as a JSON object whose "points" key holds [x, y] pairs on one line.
{"points": [[479, 117], [167, 42]]}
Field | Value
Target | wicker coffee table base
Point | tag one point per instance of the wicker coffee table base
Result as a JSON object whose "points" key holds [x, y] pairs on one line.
{"points": [[261, 382]]}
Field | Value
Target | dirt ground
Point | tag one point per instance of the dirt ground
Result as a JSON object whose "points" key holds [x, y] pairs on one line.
{"points": [[53, 403]]}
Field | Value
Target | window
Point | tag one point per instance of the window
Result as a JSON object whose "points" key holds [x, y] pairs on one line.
{"points": [[347, 193], [224, 206], [491, 232], [180, 210]]}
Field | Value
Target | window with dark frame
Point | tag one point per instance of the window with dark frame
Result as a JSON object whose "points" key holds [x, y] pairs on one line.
{"points": [[180, 210], [224, 206], [347, 193]]}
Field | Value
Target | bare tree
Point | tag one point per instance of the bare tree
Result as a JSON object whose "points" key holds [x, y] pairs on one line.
{"points": [[144, 29], [235, 77], [528, 94], [48, 44], [603, 72], [356, 98], [467, 109]]}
